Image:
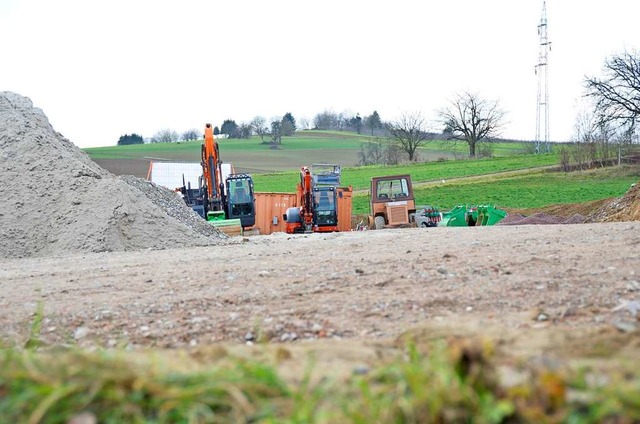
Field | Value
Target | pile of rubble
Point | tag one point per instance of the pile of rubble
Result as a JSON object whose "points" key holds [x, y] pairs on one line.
{"points": [[56, 200], [625, 208]]}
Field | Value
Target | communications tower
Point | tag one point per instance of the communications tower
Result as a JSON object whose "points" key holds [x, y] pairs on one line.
{"points": [[542, 71]]}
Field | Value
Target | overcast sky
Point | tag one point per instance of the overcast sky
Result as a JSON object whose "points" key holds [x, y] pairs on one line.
{"points": [[100, 69]]}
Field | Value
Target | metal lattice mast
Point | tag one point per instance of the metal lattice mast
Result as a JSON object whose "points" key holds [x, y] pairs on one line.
{"points": [[542, 71]]}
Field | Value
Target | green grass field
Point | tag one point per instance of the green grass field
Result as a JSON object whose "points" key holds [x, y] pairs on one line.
{"points": [[302, 148], [528, 190], [360, 177]]}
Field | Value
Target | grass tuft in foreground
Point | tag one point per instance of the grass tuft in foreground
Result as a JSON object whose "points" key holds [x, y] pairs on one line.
{"points": [[454, 381]]}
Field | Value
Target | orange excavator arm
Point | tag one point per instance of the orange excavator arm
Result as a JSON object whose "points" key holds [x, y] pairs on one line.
{"points": [[210, 163], [306, 196]]}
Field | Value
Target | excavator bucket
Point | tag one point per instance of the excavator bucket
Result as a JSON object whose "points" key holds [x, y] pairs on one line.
{"points": [[456, 217], [215, 216], [471, 216], [489, 215]]}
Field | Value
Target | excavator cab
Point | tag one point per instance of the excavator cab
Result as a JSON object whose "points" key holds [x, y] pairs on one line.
{"points": [[324, 205], [240, 199]]}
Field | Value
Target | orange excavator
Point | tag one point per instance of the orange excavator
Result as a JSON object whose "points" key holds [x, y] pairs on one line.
{"points": [[316, 196], [222, 195], [212, 171]]}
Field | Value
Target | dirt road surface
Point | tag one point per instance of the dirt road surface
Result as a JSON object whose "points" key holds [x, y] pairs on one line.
{"points": [[359, 286]]}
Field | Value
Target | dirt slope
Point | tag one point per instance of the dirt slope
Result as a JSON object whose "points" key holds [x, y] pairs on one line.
{"points": [[625, 208]]}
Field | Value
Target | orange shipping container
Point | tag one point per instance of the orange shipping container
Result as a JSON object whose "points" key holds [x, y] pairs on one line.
{"points": [[269, 210], [271, 206], [344, 208]]}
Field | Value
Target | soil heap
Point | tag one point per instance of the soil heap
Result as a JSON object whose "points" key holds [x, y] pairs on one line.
{"points": [[625, 208], [56, 200]]}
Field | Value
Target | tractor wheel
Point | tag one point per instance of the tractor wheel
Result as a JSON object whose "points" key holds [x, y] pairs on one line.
{"points": [[379, 222]]}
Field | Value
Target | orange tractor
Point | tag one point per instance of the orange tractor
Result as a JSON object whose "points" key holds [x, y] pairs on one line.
{"points": [[392, 202]]}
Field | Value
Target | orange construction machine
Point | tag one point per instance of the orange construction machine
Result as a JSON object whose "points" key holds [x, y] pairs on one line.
{"points": [[392, 202], [222, 195], [317, 197]]}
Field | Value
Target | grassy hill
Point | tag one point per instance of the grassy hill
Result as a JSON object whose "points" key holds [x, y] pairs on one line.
{"points": [[510, 179], [253, 156]]}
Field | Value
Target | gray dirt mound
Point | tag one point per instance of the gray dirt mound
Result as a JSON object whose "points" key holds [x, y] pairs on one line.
{"points": [[56, 200]]}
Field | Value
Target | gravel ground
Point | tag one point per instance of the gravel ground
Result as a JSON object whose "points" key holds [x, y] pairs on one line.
{"points": [[370, 285]]}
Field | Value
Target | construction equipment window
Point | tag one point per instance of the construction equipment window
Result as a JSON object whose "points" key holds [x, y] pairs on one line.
{"points": [[392, 189], [324, 200], [239, 191]]}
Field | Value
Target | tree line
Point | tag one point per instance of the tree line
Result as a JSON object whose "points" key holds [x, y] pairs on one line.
{"points": [[610, 119]]}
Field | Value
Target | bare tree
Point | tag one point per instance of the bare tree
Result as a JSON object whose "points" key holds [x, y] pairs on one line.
{"points": [[305, 123], [165, 136], [259, 126], [617, 94], [276, 132], [380, 152], [326, 120], [190, 135], [408, 133], [593, 140], [472, 119], [585, 127], [371, 153], [245, 131]]}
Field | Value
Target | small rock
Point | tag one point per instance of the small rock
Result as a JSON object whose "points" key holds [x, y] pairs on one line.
{"points": [[80, 333], [625, 327], [443, 270], [633, 307], [469, 308], [83, 418], [361, 370], [249, 337], [633, 286], [542, 317], [288, 337]]}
